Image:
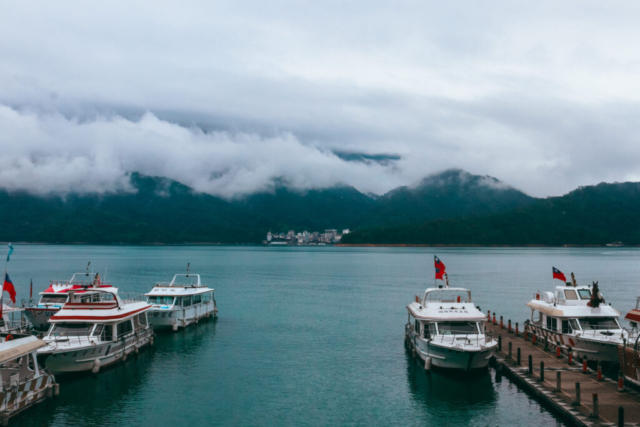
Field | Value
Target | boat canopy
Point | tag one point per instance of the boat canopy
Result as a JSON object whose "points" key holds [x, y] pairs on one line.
{"points": [[10, 350]]}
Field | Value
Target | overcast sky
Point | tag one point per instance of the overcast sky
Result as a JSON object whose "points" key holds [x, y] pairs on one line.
{"points": [[227, 96]]}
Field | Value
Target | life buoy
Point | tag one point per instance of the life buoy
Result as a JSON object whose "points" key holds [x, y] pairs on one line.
{"points": [[8, 338]]}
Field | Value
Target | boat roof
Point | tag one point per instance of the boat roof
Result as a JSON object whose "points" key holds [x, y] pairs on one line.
{"points": [[10, 350], [573, 311], [440, 311], [177, 291], [60, 288], [99, 311]]}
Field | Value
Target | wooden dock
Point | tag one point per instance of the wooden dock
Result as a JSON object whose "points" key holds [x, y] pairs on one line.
{"points": [[563, 401]]}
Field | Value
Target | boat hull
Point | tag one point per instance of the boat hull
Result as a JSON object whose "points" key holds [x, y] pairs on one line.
{"points": [[453, 358], [64, 359], [39, 317], [592, 349], [180, 318]]}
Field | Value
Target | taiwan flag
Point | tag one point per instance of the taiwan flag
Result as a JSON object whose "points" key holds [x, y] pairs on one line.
{"points": [[8, 286], [439, 267], [557, 274]]}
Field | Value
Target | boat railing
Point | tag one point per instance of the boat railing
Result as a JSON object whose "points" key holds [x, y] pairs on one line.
{"points": [[607, 332], [466, 337], [129, 297], [71, 338], [79, 282]]}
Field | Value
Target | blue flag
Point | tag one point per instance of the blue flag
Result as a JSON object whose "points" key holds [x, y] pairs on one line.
{"points": [[10, 251]]}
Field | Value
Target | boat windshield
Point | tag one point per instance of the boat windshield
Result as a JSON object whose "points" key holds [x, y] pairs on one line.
{"points": [[457, 328], [584, 293], [160, 300], [594, 323], [71, 329], [56, 299]]}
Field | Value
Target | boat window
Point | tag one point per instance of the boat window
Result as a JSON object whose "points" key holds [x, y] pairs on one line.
{"points": [[432, 329], [57, 299], [571, 294], [186, 301], [107, 333], [168, 300], [584, 293], [574, 324], [72, 329], [124, 328], [594, 323], [454, 328], [95, 297], [206, 297], [566, 327], [197, 299], [98, 330], [417, 327], [106, 296], [552, 323], [141, 319]]}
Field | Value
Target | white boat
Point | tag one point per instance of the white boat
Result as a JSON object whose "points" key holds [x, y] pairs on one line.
{"points": [[447, 330], [87, 335], [181, 302], [54, 297], [578, 318], [23, 383], [13, 323]]}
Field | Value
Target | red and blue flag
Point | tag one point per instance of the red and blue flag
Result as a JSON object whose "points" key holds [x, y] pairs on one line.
{"points": [[440, 268], [557, 274], [8, 287]]}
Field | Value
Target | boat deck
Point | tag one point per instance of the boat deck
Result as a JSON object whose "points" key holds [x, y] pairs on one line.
{"points": [[609, 398]]}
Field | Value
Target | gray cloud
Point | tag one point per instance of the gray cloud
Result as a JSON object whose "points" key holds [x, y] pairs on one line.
{"points": [[227, 97]]}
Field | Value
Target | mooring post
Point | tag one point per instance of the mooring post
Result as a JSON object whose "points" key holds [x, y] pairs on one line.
{"points": [[620, 416], [501, 323], [517, 331], [534, 339], [585, 368], [542, 371], [510, 326], [620, 382], [599, 371], [530, 365], [526, 335], [546, 343], [569, 356], [558, 384], [576, 401], [596, 412], [488, 315], [510, 354], [494, 317], [518, 356], [499, 342]]}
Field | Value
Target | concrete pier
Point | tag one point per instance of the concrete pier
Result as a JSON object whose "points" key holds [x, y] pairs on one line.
{"points": [[577, 409]]}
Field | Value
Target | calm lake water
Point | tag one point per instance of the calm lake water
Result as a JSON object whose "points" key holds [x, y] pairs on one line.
{"points": [[308, 335]]}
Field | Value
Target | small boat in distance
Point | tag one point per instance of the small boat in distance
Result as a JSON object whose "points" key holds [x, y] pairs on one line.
{"points": [[23, 382], [615, 244], [87, 335], [54, 297], [447, 330], [577, 317], [181, 302]]}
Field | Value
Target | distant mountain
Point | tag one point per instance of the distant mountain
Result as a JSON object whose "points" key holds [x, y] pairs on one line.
{"points": [[312, 210], [452, 193], [161, 210], [593, 215]]}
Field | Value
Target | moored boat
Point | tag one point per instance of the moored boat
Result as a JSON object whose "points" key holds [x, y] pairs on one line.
{"points": [[181, 302], [447, 330], [578, 318], [23, 383], [88, 335], [54, 297], [629, 350]]}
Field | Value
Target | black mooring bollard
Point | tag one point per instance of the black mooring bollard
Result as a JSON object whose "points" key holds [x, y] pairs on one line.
{"points": [[576, 401], [542, 371], [530, 365], [510, 353], [620, 416], [499, 342], [518, 356]]}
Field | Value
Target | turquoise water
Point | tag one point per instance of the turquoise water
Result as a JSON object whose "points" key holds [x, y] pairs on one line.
{"points": [[308, 335]]}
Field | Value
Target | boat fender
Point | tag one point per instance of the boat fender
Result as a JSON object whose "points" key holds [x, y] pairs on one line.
{"points": [[56, 390], [151, 341], [427, 364], [175, 326], [124, 356], [137, 349], [96, 366], [9, 337]]}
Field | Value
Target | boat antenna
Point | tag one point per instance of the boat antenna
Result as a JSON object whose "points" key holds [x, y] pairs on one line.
{"points": [[105, 273], [88, 264], [188, 264], [446, 276], [573, 280]]}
